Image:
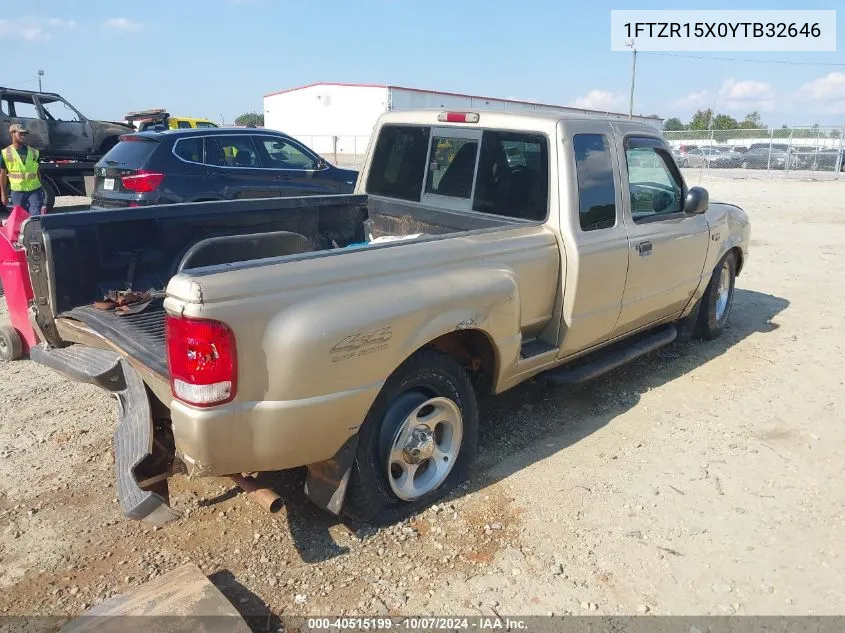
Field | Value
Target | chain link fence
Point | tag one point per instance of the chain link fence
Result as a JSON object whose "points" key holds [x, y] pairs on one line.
{"points": [[798, 152]]}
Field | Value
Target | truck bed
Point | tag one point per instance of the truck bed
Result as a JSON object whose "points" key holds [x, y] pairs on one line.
{"points": [[88, 255]]}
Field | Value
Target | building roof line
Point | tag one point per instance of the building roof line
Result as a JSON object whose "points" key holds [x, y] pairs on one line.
{"points": [[452, 94]]}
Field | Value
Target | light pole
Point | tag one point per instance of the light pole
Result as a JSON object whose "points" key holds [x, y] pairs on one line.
{"points": [[40, 75], [630, 44]]}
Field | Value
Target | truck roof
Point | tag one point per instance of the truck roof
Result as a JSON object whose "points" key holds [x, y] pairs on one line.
{"points": [[508, 120], [30, 92]]}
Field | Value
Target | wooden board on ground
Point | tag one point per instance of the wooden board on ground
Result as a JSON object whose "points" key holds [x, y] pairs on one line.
{"points": [[181, 600]]}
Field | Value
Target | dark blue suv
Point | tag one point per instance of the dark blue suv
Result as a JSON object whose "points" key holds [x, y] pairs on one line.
{"points": [[212, 164]]}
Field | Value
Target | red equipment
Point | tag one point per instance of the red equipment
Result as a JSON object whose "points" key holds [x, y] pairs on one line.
{"points": [[16, 340]]}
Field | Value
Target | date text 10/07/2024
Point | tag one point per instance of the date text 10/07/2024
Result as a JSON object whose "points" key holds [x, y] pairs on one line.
{"points": [[416, 624]]}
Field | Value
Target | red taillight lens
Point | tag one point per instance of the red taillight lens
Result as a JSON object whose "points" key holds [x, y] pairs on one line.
{"points": [[202, 359], [143, 181]]}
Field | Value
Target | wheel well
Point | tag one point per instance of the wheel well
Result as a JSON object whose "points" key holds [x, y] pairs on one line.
{"points": [[738, 257], [472, 348]]}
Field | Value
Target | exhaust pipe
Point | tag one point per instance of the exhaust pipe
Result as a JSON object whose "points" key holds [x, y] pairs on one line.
{"points": [[263, 496]]}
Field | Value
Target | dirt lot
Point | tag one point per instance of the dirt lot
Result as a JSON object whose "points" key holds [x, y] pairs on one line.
{"points": [[703, 479]]}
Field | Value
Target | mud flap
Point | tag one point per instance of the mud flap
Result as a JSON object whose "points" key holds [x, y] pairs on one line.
{"points": [[133, 438], [688, 326], [327, 481]]}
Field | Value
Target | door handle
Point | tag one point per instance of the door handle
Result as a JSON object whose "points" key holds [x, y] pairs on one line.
{"points": [[644, 248]]}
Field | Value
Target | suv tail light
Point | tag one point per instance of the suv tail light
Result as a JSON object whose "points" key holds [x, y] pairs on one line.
{"points": [[143, 181], [202, 359]]}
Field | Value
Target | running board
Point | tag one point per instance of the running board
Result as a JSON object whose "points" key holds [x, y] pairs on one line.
{"points": [[607, 360]]}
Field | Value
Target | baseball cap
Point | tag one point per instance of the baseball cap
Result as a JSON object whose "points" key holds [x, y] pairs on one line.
{"points": [[17, 127]]}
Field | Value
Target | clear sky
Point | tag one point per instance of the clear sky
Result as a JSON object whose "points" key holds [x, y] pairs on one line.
{"points": [[219, 57]]}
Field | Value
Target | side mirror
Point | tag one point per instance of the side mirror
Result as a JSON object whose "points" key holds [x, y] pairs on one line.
{"points": [[697, 201], [321, 164]]}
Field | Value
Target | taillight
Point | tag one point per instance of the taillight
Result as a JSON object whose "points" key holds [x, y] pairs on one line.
{"points": [[202, 359], [458, 117], [143, 181]]}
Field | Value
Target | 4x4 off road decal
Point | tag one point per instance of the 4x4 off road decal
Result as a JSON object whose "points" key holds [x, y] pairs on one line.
{"points": [[360, 344]]}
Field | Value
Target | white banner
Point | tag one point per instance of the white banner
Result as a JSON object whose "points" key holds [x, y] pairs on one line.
{"points": [[708, 31]]}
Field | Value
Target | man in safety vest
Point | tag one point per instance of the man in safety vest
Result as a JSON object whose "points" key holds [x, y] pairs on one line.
{"points": [[19, 163]]}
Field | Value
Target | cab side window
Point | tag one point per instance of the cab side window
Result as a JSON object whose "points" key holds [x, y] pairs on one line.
{"points": [[596, 187], [238, 151], [284, 155], [655, 185], [189, 149]]}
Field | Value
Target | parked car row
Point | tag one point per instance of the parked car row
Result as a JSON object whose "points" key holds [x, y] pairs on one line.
{"points": [[761, 156], [205, 164]]}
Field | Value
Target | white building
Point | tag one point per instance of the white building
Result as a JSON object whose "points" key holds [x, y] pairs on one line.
{"points": [[334, 118]]}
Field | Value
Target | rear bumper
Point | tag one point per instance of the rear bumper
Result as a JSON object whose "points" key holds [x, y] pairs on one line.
{"points": [[267, 435], [133, 438], [100, 202]]}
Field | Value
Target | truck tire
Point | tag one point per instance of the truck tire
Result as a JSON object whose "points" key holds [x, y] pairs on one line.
{"points": [[11, 346], [49, 194], [718, 299], [417, 441]]}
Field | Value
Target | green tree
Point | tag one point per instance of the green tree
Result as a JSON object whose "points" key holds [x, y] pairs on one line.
{"points": [[725, 122], [673, 124], [701, 120], [835, 134], [250, 118], [752, 120]]}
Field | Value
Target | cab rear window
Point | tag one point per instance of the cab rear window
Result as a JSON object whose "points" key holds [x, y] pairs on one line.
{"points": [[398, 163], [467, 169], [131, 153]]}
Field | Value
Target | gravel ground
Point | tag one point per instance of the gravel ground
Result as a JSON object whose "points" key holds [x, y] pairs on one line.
{"points": [[703, 479]]}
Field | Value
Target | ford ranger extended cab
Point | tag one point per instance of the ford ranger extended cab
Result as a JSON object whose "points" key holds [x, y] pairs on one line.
{"points": [[349, 334]]}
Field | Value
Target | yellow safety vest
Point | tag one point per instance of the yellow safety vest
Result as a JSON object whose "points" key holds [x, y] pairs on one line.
{"points": [[23, 176]]}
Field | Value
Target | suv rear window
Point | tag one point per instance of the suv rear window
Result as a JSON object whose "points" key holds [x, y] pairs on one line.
{"points": [[132, 154]]}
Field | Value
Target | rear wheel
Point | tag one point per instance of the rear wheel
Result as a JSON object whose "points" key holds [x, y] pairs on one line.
{"points": [[417, 441], [49, 194], [11, 345], [718, 299]]}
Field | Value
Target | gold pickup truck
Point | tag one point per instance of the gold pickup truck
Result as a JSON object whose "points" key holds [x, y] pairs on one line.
{"points": [[349, 333]]}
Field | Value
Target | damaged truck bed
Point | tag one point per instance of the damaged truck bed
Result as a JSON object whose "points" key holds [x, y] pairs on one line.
{"points": [[85, 265]]}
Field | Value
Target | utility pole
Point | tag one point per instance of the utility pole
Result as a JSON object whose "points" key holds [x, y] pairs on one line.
{"points": [[40, 75], [630, 44]]}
